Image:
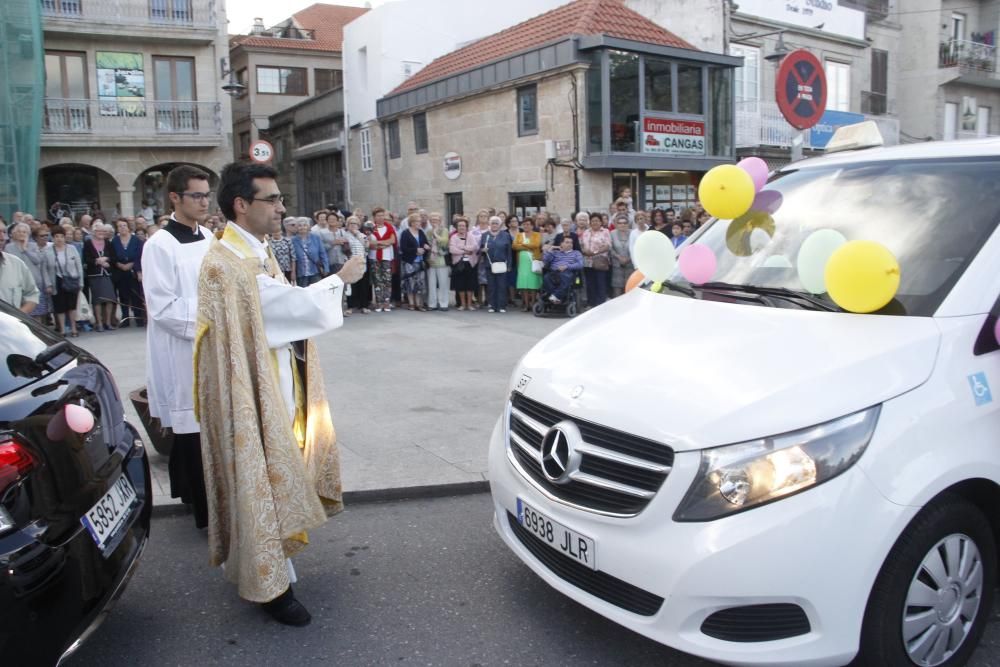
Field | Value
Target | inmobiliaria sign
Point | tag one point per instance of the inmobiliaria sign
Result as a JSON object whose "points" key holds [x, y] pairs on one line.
{"points": [[674, 137]]}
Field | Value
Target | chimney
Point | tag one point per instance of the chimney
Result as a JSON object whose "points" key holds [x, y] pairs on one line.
{"points": [[258, 26]]}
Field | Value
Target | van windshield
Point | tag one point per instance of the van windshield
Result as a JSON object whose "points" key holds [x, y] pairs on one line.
{"points": [[934, 215]]}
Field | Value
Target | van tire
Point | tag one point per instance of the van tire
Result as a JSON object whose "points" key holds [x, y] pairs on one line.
{"points": [[949, 518]]}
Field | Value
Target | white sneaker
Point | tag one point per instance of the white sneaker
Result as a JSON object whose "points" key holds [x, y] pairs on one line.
{"points": [[553, 299], [378, 310], [503, 310], [492, 311]]}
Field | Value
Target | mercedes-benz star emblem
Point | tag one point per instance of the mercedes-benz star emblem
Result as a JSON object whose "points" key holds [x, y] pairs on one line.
{"points": [[559, 458], [577, 391]]}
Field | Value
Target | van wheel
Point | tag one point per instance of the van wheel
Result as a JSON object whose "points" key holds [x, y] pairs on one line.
{"points": [[932, 598]]}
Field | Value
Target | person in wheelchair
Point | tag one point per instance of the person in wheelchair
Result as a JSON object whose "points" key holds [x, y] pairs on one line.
{"points": [[560, 268]]}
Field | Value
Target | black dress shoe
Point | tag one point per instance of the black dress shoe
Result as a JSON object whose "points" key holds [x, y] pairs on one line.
{"points": [[287, 610]]}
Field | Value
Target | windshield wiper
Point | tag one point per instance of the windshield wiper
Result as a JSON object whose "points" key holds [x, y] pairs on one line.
{"points": [[779, 292], [677, 287]]}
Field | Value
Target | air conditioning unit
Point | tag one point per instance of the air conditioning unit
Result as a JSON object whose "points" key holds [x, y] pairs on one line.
{"points": [[550, 149]]}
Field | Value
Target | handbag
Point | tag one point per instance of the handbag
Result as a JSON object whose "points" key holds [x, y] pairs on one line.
{"points": [[600, 263], [67, 284], [84, 313], [498, 267], [537, 265]]}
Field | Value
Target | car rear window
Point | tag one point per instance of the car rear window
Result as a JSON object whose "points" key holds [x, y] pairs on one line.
{"points": [[21, 339]]}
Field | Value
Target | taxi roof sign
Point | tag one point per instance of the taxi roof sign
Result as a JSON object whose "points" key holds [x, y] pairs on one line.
{"points": [[855, 137]]}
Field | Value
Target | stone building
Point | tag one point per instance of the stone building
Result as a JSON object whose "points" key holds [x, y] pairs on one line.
{"points": [[557, 113], [133, 87]]}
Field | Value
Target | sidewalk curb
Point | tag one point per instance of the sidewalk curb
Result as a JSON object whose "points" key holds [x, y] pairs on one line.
{"points": [[371, 495]]}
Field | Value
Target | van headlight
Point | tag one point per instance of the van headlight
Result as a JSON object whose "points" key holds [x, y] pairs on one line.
{"points": [[737, 477]]}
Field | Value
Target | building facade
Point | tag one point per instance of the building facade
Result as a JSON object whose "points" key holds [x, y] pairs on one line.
{"points": [[293, 74], [559, 113], [132, 88], [950, 80]]}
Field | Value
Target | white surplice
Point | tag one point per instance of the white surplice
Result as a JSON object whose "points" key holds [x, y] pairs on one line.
{"points": [[170, 283], [292, 313]]}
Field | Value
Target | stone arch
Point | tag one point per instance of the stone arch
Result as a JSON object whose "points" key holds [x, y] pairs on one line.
{"points": [[85, 188], [148, 186]]}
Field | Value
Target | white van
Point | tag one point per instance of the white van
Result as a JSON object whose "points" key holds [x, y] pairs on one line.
{"points": [[745, 472]]}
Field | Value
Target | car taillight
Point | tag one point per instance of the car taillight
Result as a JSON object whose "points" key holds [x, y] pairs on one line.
{"points": [[16, 461]]}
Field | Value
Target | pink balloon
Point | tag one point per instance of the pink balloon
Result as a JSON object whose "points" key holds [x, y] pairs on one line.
{"points": [[79, 418], [757, 169], [767, 201], [697, 263]]}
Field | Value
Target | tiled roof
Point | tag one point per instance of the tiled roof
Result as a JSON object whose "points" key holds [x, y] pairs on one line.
{"points": [[582, 17], [326, 21]]}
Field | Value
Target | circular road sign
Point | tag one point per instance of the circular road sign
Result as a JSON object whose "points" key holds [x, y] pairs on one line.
{"points": [[261, 151], [800, 89]]}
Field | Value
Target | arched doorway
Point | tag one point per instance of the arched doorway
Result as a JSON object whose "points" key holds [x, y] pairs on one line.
{"points": [[149, 188], [80, 187]]}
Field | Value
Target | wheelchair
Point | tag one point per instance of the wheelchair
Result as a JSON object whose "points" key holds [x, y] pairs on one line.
{"points": [[543, 307]]}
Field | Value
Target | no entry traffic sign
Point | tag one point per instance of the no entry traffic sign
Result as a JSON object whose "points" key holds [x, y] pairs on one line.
{"points": [[800, 89]]}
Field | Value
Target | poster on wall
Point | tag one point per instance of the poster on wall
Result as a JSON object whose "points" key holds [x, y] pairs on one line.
{"points": [[649, 193], [121, 83], [679, 194], [662, 192], [673, 137]]}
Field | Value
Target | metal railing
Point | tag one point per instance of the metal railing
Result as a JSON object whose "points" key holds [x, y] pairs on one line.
{"points": [[132, 118], [181, 13], [968, 56], [760, 123]]}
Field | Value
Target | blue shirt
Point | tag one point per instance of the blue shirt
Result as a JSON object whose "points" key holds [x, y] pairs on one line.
{"points": [[556, 258], [310, 256]]}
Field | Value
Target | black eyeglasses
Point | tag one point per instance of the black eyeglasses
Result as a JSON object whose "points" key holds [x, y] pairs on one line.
{"points": [[273, 199], [197, 196]]}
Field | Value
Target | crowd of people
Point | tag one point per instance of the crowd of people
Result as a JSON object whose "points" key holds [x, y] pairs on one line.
{"points": [[86, 273]]}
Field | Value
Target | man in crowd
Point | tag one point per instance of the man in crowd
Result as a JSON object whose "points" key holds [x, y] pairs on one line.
{"points": [[272, 466], [170, 264], [17, 286], [560, 268]]}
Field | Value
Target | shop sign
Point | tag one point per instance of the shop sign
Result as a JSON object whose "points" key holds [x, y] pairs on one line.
{"points": [[663, 136], [834, 18], [452, 166], [821, 133]]}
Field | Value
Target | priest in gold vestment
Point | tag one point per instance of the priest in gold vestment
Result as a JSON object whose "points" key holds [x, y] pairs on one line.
{"points": [[272, 468]]}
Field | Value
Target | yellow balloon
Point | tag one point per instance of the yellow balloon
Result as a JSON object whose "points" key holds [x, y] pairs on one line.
{"points": [[726, 191], [862, 276]]}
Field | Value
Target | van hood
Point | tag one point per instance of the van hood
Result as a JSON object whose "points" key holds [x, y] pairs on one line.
{"points": [[695, 374]]}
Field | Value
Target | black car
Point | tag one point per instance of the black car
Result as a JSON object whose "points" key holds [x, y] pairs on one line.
{"points": [[75, 493]]}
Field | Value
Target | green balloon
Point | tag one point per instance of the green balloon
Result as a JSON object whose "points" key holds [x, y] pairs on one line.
{"points": [[814, 253]]}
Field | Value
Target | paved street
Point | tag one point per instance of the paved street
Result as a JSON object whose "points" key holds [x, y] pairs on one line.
{"points": [[412, 582], [414, 395]]}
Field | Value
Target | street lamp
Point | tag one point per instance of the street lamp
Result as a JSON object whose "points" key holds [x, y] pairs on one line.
{"points": [[780, 50], [232, 87]]}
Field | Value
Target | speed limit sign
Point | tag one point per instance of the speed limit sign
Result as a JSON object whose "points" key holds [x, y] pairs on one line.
{"points": [[261, 151]]}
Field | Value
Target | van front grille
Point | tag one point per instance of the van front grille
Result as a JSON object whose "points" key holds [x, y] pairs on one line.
{"points": [[618, 473]]}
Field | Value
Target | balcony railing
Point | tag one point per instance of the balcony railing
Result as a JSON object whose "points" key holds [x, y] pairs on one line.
{"points": [[132, 119], [164, 13], [760, 123], [968, 56], [875, 104]]}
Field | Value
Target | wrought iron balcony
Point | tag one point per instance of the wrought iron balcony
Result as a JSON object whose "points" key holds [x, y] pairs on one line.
{"points": [[135, 120], [760, 123], [968, 56], [189, 14]]}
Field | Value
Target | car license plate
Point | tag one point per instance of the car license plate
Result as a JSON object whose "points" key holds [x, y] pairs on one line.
{"points": [[107, 516], [569, 542]]}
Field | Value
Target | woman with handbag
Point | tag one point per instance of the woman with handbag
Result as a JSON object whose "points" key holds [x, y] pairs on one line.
{"points": [[496, 246], [464, 256], [621, 257], [528, 246], [69, 278], [127, 275], [25, 249], [595, 243], [413, 249], [98, 258]]}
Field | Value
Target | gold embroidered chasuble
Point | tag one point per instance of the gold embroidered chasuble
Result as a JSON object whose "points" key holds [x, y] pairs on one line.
{"points": [[265, 486]]}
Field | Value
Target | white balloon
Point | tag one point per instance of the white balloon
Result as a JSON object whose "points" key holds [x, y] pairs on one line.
{"points": [[814, 253], [654, 255]]}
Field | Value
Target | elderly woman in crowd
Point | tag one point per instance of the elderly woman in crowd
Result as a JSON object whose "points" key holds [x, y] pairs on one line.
{"points": [[311, 261], [595, 244], [381, 246], [566, 229], [528, 247], [496, 248], [98, 260], [413, 249], [641, 225], [361, 291], [621, 254], [281, 245], [24, 248], [464, 257], [69, 280], [127, 274], [438, 280], [481, 227]]}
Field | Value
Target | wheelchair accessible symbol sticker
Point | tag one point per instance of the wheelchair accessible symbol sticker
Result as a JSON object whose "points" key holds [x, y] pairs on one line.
{"points": [[980, 388]]}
